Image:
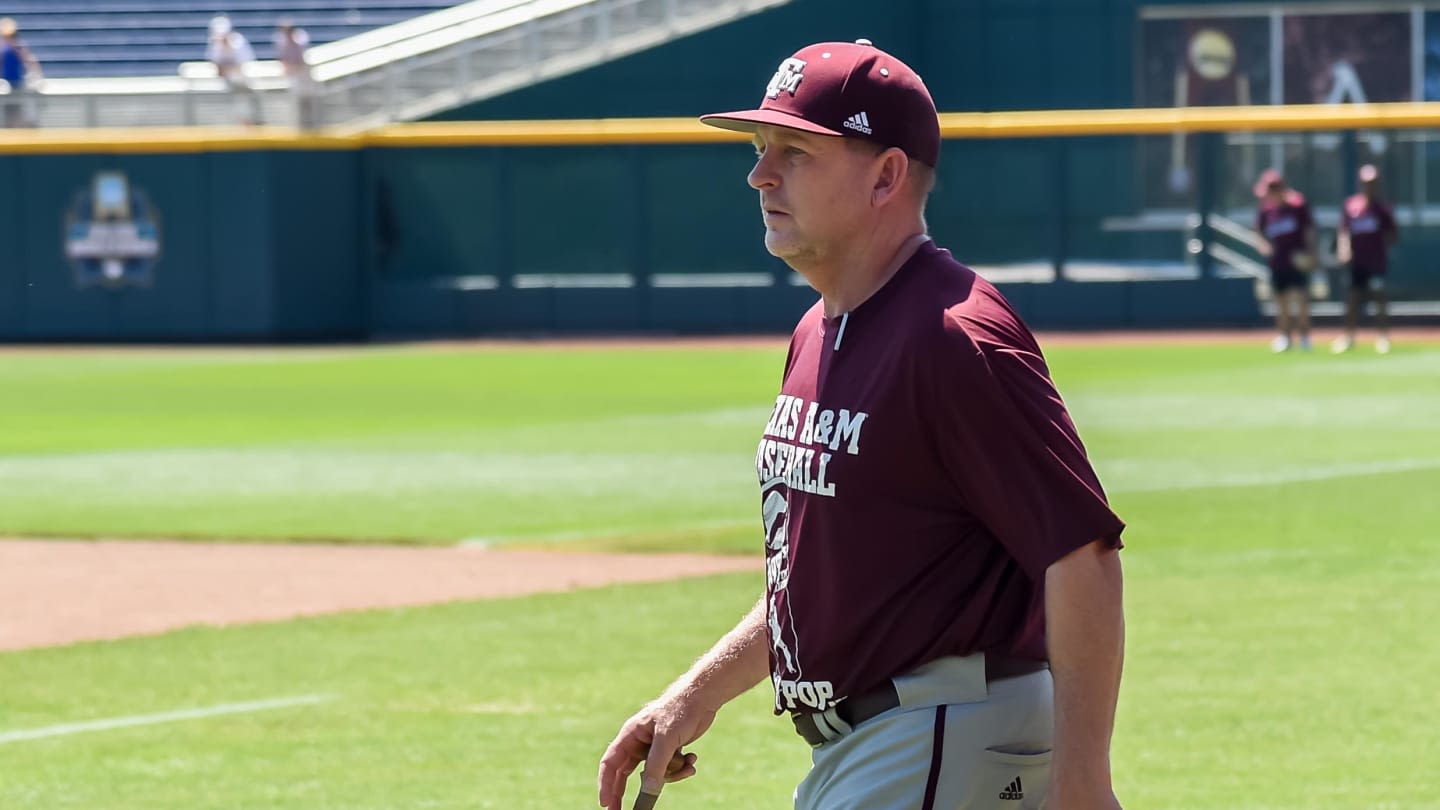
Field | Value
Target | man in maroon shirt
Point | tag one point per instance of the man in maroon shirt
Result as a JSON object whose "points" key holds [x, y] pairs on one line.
{"points": [[942, 618], [1367, 231], [1287, 239]]}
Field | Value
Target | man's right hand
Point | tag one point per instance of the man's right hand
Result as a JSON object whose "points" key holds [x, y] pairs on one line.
{"points": [[653, 736], [658, 732]]}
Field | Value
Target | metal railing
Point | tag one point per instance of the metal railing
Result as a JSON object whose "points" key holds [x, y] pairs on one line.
{"points": [[1232, 263], [400, 72]]}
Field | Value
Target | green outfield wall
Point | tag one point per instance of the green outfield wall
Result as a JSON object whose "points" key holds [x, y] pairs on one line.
{"points": [[255, 244], [618, 226], [354, 241]]}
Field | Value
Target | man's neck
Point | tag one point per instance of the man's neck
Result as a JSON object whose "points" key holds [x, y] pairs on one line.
{"points": [[860, 274]]}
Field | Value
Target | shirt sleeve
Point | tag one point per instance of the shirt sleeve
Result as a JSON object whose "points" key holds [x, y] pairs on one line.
{"points": [[1012, 451]]}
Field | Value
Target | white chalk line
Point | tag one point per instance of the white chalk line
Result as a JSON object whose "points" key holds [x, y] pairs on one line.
{"points": [[162, 717]]}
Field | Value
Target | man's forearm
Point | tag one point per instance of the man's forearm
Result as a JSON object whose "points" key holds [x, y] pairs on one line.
{"points": [[1085, 625], [737, 662]]}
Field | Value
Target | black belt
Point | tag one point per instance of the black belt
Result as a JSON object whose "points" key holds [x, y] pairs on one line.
{"points": [[855, 710]]}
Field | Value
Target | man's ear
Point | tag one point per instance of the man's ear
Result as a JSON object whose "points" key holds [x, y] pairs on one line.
{"points": [[890, 180]]}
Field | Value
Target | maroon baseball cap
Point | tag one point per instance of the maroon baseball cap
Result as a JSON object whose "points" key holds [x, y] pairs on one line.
{"points": [[1268, 178], [854, 90]]}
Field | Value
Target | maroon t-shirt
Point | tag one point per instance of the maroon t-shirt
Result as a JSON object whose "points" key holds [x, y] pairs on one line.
{"points": [[918, 475], [1370, 223], [1284, 225]]}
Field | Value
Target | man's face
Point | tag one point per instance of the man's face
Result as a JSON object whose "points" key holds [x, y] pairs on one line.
{"points": [[815, 192], [1275, 192]]}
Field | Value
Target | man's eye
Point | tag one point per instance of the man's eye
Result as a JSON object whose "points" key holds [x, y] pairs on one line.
{"points": [[794, 150]]}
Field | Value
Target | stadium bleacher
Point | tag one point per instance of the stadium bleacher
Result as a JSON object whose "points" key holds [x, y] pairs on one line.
{"points": [[86, 38]]}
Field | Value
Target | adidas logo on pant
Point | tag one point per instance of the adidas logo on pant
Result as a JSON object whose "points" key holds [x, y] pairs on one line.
{"points": [[1013, 792], [860, 122]]}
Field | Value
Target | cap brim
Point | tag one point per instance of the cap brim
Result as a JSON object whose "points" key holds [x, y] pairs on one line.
{"points": [[748, 120]]}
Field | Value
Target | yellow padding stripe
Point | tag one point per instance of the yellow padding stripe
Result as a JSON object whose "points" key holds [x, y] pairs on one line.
{"points": [[1164, 121], [619, 131], [165, 140]]}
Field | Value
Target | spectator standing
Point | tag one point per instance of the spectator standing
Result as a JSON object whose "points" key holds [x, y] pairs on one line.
{"points": [[230, 52], [291, 43], [21, 72]]}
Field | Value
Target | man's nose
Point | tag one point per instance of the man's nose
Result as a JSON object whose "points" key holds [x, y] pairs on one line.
{"points": [[762, 176]]}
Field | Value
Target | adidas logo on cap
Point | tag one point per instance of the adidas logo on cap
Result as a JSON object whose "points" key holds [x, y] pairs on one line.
{"points": [[1013, 792], [860, 122]]}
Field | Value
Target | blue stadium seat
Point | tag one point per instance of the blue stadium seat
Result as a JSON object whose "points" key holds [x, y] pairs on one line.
{"points": [[74, 38]]}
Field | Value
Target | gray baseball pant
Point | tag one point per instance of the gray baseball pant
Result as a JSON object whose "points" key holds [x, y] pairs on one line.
{"points": [[953, 743]]}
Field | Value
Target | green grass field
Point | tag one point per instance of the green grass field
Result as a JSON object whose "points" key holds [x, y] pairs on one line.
{"points": [[1281, 562]]}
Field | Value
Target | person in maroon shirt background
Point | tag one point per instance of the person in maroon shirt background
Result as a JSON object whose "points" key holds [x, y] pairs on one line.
{"points": [[942, 618], [1367, 232], [1287, 238]]}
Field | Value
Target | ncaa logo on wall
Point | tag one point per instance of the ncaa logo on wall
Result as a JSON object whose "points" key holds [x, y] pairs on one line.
{"points": [[112, 234]]}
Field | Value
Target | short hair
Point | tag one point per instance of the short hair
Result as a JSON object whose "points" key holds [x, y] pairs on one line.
{"points": [[920, 174]]}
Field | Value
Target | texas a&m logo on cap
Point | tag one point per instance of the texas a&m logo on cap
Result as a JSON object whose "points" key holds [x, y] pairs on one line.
{"points": [[787, 77], [853, 90]]}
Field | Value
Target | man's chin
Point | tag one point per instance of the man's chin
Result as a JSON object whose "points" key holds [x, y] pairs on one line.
{"points": [[797, 258], [780, 247]]}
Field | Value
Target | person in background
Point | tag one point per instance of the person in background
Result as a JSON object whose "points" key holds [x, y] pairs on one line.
{"points": [[1287, 238], [1367, 232], [21, 73], [290, 45], [230, 52]]}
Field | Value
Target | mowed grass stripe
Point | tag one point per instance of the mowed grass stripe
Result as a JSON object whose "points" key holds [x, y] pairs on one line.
{"points": [[546, 444], [61, 402], [452, 496]]}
